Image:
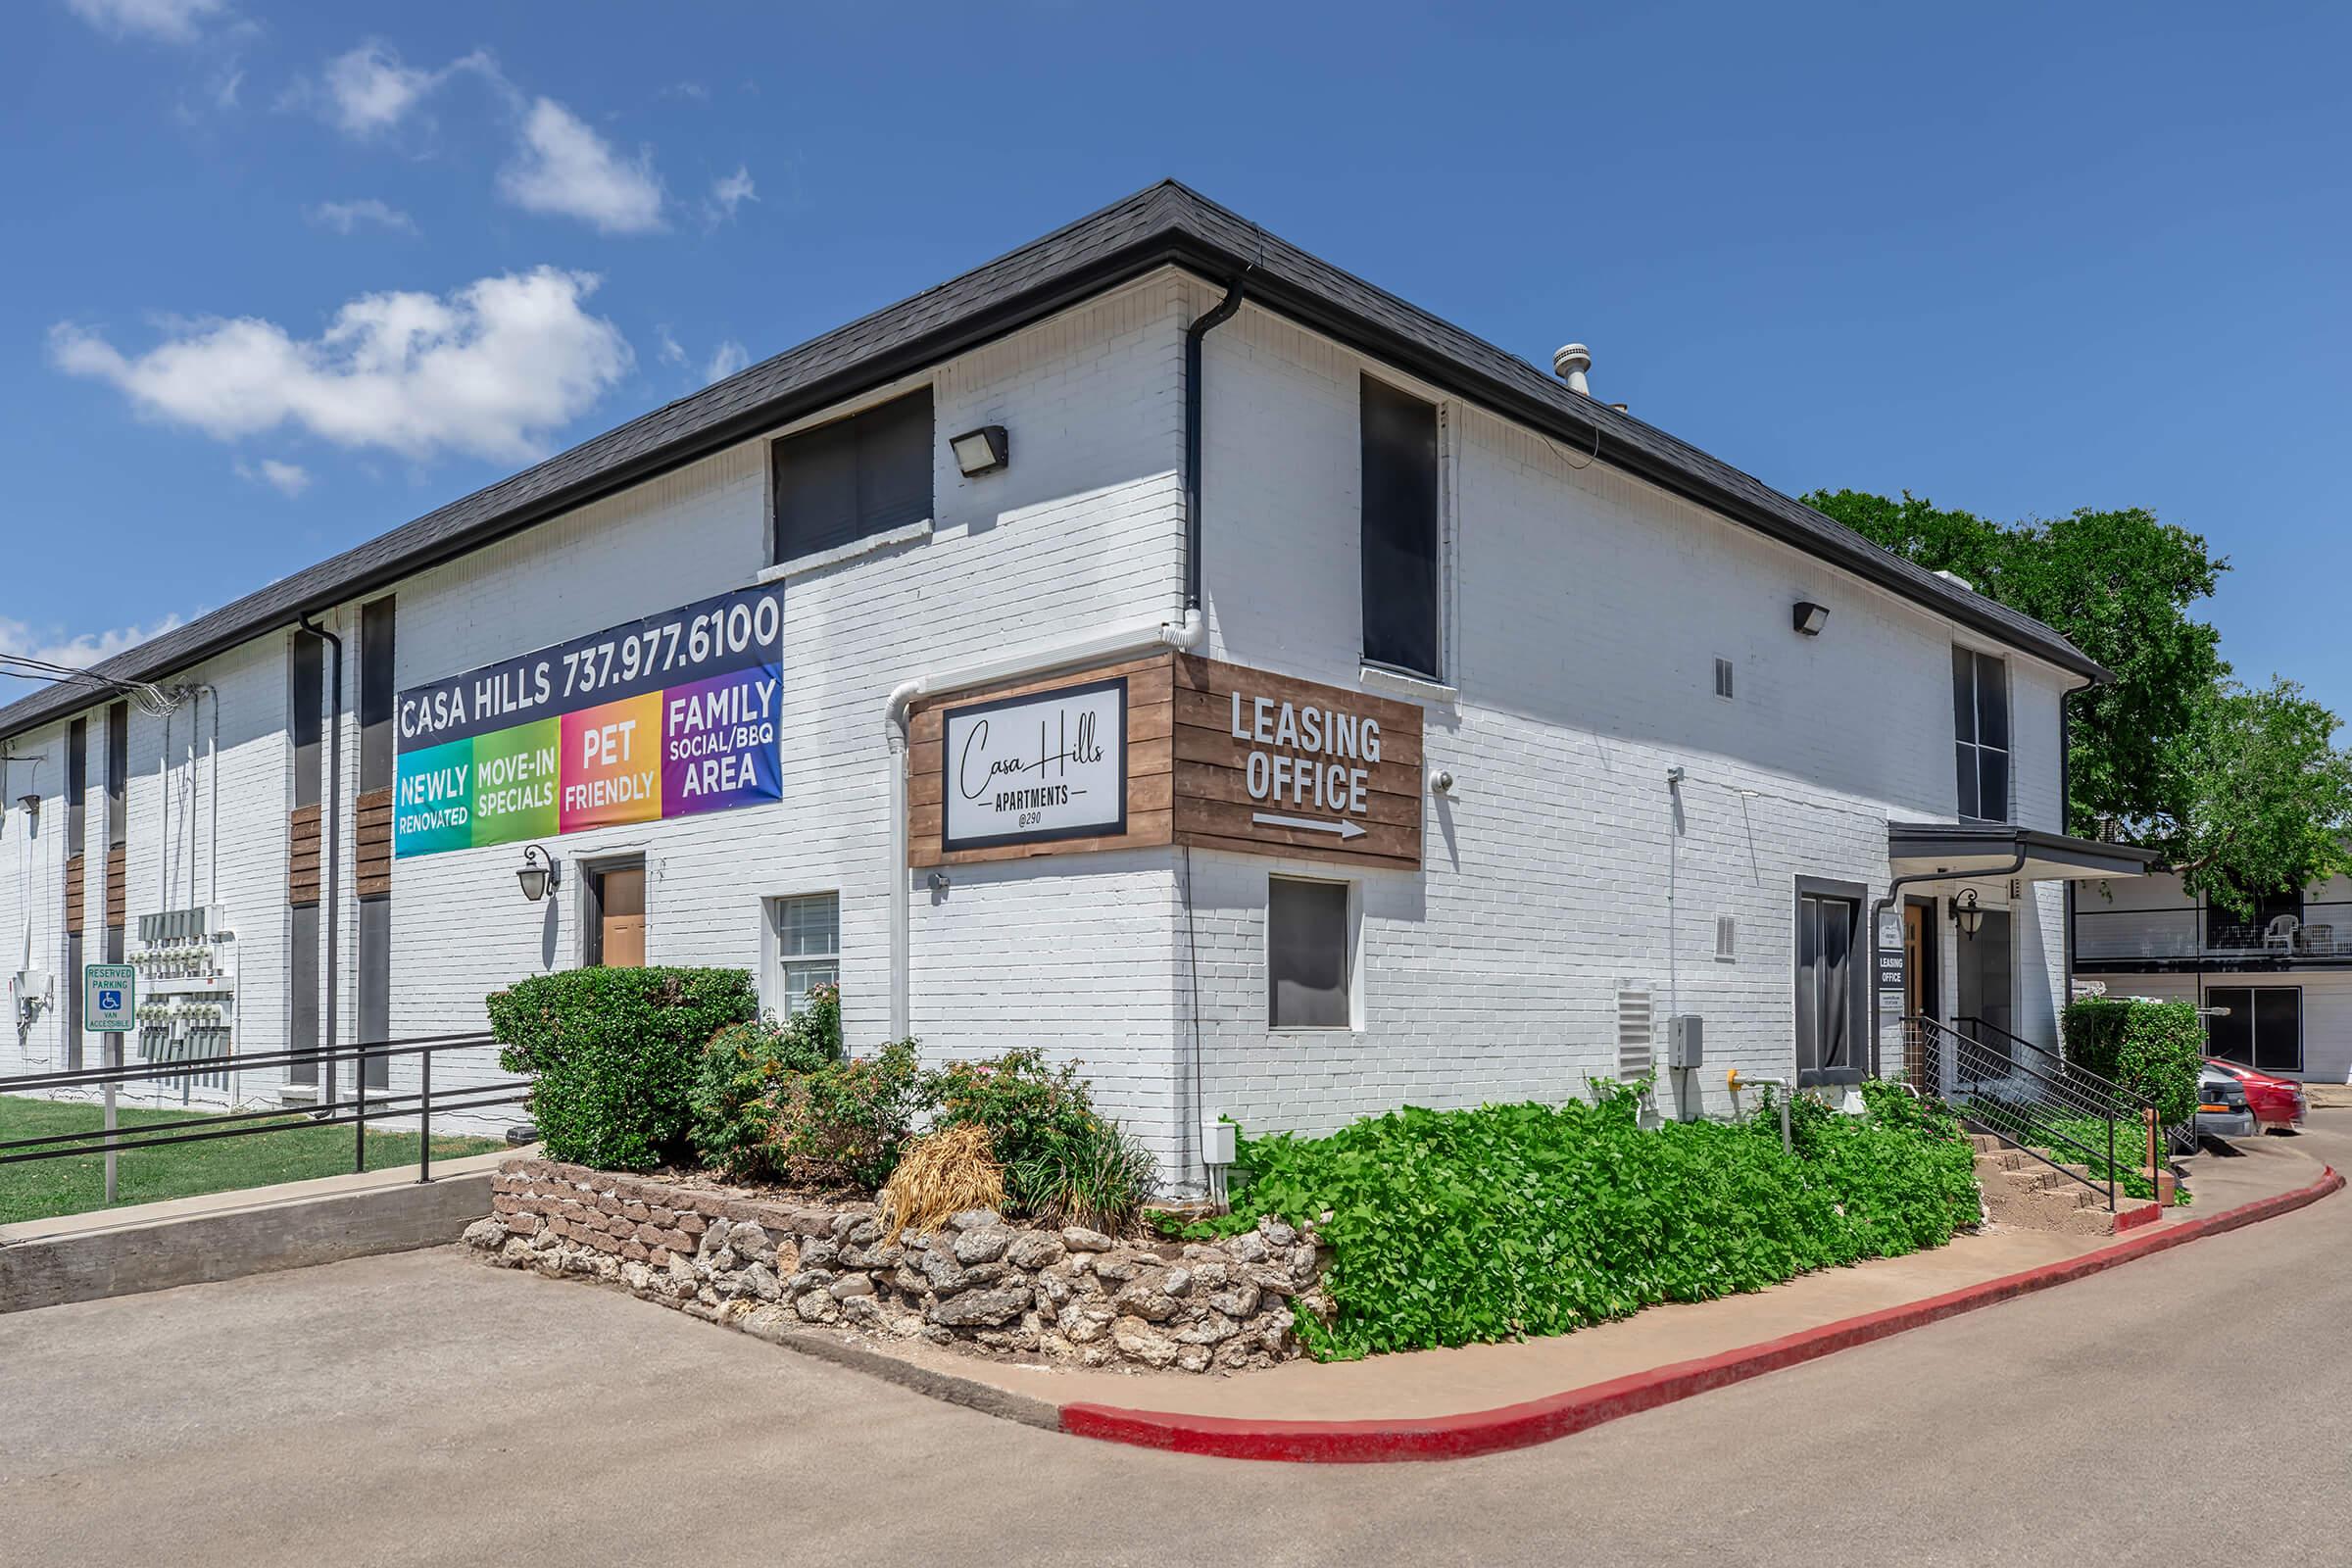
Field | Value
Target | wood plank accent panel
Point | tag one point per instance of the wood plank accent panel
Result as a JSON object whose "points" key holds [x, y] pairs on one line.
{"points": [[78, 876], [118, 886], [1151, 685], [375, 869], [1190, 778], [1226, 783], [302, 854]]}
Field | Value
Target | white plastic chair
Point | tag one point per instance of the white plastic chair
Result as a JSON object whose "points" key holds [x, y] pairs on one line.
{"points": [[2280, 935]]}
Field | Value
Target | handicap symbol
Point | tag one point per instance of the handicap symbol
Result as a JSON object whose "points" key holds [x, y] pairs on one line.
{"points": [[110, 1002]]}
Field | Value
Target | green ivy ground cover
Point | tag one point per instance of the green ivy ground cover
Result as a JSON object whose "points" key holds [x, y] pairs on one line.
{"points": [[1459, 1227]]}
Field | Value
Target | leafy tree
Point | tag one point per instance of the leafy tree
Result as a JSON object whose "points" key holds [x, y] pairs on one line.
{"points": [[2119, 585], [2242, 789], [2265, 797]]}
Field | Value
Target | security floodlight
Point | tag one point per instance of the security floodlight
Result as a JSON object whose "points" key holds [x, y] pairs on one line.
{"points": [[538, 879], [981, 451], [1809, 617]]}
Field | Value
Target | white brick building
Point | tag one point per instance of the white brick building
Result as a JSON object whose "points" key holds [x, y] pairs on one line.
{"points": [[1655, 777]]}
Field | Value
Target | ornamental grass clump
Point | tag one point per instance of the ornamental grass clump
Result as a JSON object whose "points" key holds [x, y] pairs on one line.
{"points": [[1461, 1227], [938, 1175]]}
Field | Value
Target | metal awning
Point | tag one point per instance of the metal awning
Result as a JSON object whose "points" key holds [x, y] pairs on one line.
{"points": [[1964, 850]]}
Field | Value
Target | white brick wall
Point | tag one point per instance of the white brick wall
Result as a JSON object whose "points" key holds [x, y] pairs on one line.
{"points": [[1585, 611]]}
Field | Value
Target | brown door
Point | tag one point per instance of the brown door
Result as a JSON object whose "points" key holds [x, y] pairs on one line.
{"points": [[1919, 981], [619, 931]]}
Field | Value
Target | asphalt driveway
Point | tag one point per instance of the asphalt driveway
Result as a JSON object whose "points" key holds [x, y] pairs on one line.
{"points": [[424, 1407]]}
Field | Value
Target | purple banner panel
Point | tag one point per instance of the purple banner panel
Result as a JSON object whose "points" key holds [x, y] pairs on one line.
{"points": [[719, 741]]}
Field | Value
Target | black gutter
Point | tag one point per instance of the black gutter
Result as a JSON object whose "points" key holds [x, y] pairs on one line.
{"points": [[334, 845], [1193, 334]]}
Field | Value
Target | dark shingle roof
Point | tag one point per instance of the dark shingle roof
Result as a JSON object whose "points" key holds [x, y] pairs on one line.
{"points": [[1166, 223]]}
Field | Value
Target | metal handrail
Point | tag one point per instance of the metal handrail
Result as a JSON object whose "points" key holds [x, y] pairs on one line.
{"points": [[2035, 1116], [112, 1141], [2068, 1070]]}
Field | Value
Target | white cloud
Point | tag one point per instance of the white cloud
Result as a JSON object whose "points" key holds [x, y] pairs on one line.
{"points": [[345, 217], [731, 192], [492, 369], [174, 20], [80, 650], [672, 350], [568, 170], [729, 356], [368, 91], [289, 479]]}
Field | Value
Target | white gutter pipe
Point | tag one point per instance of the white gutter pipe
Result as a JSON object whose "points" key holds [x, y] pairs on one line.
{"points": [[1129, 640]]}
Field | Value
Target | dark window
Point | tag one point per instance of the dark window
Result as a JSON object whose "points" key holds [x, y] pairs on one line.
{"points": [[377, 693], [1307, 955], [1401, 531], [1981, 734], [2261, 1027], [78, 787], [118, 779], [858, 476]]}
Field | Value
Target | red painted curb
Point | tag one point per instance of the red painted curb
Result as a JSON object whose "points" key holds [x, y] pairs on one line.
{"points": [[2132, 1219], [1519, 1425]]}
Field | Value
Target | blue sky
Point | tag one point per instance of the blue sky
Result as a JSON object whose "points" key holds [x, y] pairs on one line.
{"points": [[279, 278]]}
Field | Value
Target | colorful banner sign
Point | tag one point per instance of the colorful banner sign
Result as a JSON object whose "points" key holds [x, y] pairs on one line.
{"points": [[672, 716]]}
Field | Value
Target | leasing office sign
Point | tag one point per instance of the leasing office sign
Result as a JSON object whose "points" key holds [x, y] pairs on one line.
{"points": [[1168, 748], [672, 716]]}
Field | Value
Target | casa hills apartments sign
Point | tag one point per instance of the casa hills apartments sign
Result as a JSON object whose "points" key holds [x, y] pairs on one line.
{"points": [[1171, 749]]}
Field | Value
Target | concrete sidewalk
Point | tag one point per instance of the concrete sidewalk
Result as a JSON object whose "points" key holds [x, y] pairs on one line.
{"points": [[1427, 1384]]}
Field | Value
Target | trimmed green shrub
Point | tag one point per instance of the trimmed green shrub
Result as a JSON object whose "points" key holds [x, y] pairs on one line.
{"points": [[1065, 1162], [733, 1101], [2094, 1030], [843, 1123], [2153, 1049], [1467, 1226], [614, 1053]]}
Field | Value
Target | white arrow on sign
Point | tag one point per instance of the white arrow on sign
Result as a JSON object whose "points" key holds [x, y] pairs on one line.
{"points": [[1346, 830]]}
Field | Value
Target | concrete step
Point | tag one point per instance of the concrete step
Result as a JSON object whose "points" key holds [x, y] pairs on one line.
{"points": [[1986, 1143], [2079, 1212]]}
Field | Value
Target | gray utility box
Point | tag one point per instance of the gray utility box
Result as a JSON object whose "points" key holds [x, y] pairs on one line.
{"points": [[1685, 1042]]}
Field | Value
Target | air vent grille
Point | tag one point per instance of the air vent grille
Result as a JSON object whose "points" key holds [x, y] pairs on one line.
{"points": [[1727, 938], [1722, 677], [1635, 1037]]}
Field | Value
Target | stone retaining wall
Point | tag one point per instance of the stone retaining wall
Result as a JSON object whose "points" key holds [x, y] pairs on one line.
{"points": [[1070, 1295]]}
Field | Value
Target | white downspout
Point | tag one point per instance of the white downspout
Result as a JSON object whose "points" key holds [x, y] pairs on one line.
{"points": [[1105, 646]]}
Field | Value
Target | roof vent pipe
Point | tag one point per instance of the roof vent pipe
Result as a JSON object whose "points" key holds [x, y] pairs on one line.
{"points": [[1570, 365]]}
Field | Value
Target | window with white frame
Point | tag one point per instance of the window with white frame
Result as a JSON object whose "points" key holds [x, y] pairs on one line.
{"points": [[1981, 735], [807, 934], [1310, 960]]}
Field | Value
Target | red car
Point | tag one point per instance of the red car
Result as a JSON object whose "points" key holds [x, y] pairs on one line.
{"points": [[2277, 1103]]}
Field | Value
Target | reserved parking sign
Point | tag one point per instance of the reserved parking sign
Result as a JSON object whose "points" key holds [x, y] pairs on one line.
{"points": [[109, 996]]}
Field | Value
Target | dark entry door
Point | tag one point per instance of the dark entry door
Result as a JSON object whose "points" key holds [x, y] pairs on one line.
{"points": [[1988, 983], [1827, 1034]]}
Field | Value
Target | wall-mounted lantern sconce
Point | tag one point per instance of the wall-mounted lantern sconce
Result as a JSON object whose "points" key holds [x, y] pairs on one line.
{"points": [[1809, 617], [981, 451], [538, 879], [1965, 913]]}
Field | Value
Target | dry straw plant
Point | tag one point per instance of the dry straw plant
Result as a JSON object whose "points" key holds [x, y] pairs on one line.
{"points": [[940, 1174]]}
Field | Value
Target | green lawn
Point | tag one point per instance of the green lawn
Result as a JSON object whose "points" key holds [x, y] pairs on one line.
{"points": [[291, 1151]]}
